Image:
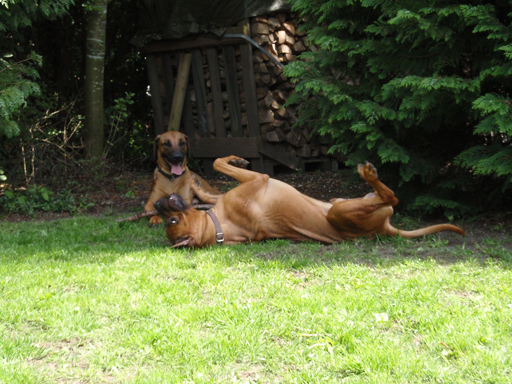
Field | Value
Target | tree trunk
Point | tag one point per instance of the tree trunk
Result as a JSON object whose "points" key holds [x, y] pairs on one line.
{"points": [[94, 68]]}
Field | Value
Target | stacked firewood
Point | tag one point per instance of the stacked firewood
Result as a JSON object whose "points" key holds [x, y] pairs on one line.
{"points": [[281, 36]]}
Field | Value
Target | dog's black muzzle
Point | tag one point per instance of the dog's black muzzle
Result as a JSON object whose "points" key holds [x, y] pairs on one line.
{"points": [[175, 157]]}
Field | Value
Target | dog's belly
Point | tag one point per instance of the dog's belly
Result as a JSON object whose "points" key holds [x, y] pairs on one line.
{"points": [[284, 212]]}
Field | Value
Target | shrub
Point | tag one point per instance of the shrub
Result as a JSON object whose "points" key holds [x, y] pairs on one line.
{"points": [[420, 89], [38, 198]]}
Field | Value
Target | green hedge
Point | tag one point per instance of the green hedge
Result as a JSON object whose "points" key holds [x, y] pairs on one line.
{"points": [[420, 89]]}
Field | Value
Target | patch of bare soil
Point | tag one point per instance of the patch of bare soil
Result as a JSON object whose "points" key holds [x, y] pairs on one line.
{"points": [[318, 184]]}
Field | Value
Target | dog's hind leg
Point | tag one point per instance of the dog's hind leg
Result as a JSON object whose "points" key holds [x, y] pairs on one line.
{"points": [[368, 215], [203, 194], [371, 214], [382, 192]]}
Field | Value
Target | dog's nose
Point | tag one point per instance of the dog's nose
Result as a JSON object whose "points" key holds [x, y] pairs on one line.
{"points": [[177, 158]]}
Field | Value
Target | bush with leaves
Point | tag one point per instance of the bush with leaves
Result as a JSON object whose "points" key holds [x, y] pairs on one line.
{"points": [[38, 198], [16, 85], [18, 73], [19, 64], [41, 93], [420, 89]]}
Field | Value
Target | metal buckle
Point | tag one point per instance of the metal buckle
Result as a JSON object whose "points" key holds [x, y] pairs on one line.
{"points": [[220, 237]]}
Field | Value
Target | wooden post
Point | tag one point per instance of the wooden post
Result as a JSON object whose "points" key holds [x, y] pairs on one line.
{"points": [[218, 108], [251, 101], [179, 92], [235, 115], [199, 85], [168, 82], [156, 100]]}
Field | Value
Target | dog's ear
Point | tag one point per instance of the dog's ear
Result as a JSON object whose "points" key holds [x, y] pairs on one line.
{"points": [[155, 145]]}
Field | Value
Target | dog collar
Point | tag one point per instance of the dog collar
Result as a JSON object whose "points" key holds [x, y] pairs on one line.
{"points": [[219, 236], [171, 177]]}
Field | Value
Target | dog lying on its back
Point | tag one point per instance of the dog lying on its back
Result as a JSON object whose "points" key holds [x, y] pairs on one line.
{"points": [[264, 208]]}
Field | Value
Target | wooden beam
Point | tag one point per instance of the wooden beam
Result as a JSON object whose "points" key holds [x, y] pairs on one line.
{"points": [[249, 83], [235, 114], [246, 147], [251, 100], [179, 92], [168, 81], [277, 154], [187, 120], [156, 100], [200, 88], [203, 41], [218, 106]]}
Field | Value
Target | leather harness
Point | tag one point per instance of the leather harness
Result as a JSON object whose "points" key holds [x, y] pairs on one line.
{"points": [[219, 236]]}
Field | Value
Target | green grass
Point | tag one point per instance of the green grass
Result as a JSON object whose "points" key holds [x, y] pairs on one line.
{"points": [[87, 300]]}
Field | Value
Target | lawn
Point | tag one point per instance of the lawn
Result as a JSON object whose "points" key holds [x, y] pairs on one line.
{"points": [[88, 300]]}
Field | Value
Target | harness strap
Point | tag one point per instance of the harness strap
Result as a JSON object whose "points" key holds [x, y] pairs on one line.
{"points": [[219, 236]]}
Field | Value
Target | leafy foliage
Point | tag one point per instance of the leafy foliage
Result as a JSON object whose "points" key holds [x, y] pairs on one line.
{"points": [[41, 92], [420, 89], [16, 86], [39, 198], [18, 73]]}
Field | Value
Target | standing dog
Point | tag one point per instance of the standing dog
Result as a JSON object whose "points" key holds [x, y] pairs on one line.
{"points": [[173, 176], [264, 208]]}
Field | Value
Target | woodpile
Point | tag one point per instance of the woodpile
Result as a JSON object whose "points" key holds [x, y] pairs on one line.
{"points": [[231, 97], [280, 36], [224, 105]]}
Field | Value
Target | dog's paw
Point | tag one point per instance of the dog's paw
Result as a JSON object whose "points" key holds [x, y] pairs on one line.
{"points": [[368, 171], [239, 163], [155, 220]]}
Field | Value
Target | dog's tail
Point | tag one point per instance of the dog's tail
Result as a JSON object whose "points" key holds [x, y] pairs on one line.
{"points": [[392, 231]]}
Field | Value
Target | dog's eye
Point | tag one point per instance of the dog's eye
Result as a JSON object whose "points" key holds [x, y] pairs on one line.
{"points": [[173, 220]]}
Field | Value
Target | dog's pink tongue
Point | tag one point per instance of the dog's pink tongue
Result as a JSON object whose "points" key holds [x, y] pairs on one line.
{"points": [[176, 169]]}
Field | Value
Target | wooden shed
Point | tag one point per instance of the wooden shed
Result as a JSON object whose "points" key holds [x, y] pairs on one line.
{"points": [[215, 73]]}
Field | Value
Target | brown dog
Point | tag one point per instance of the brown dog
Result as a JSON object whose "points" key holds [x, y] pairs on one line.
{"points": [[173, 176], [264, 208]]}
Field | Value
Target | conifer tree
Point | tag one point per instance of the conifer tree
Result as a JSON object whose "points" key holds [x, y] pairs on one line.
{"points": [[420, 89], [19, 68]]}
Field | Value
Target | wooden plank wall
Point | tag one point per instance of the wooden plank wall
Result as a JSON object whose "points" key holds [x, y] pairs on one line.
{"points": [[155, 89], [216, 89], [221, 86], [204, 107]]}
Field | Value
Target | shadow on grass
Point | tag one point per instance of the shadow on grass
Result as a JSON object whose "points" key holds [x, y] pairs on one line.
{"points": [[94, 240], [102, 240], [481, 245]]}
